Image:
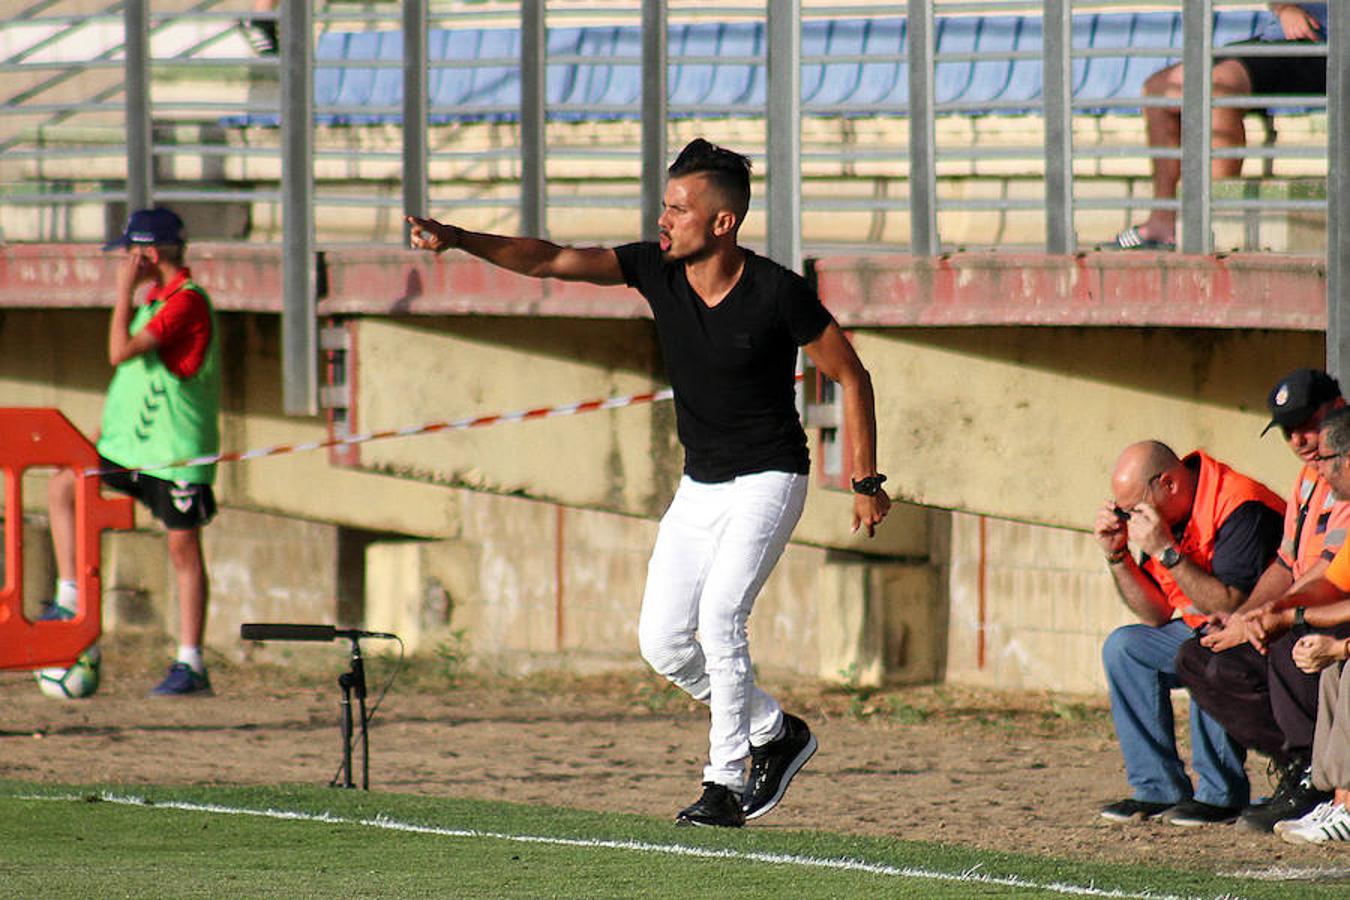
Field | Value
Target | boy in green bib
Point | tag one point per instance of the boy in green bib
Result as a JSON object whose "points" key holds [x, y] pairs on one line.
{"points": [[163, 405]]}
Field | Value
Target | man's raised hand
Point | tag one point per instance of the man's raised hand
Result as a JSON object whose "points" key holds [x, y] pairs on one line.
{"points": [[428, 234]]}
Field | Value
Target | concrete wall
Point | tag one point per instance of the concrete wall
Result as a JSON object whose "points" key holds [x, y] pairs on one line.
{"points": [[624, 460], [1029, 606], [531, 539], [527, 585]]}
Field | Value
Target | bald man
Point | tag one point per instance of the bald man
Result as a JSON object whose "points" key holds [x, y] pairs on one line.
{"points": [[1205, 534]]}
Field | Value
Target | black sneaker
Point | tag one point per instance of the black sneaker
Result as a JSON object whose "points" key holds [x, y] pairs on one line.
{"points": [[1134, 810], [1294, 798], [773, 765], [1192, 813], [719, 807]]}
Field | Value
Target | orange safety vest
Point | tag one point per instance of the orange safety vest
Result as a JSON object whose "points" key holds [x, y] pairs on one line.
{"points": [[1308, 523], [1219, 491]]}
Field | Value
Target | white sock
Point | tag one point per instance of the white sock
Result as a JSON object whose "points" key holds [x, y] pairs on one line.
{"points": [[67, 595], [192, 658]]}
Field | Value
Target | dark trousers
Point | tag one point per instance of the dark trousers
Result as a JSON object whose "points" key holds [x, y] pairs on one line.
{"points": [[1265, 703]]}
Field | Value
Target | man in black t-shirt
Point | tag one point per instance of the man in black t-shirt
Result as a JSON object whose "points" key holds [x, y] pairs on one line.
{"points": [[729, 322]]}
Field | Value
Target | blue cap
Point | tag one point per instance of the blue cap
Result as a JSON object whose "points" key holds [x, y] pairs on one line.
{"points": [[147, 227]]}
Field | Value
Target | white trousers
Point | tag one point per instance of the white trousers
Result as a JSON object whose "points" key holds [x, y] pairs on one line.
{"points": [[714, 550]]}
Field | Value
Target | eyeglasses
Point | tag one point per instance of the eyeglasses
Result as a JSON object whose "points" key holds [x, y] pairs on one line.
{"points": [[1124, 514], [1328, 457]]}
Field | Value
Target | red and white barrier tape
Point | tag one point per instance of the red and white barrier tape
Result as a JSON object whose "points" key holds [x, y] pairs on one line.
{"points": [[540, 412]]}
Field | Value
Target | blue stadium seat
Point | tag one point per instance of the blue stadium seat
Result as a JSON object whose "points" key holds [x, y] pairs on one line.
{"points": [[839, 81], [357, 83], [989, 78], [1235, 25], [331, 46], [734, 83], [448, 88], [954, 34], [815, 34], [560, 79], [495, 90], [690, 83], [619, 83], [607, 82], [387, 87], [884, 85]]}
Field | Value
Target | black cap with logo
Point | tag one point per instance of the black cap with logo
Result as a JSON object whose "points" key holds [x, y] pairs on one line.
{"points": [[1298, 395]]}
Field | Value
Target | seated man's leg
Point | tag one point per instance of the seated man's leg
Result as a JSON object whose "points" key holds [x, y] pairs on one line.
{"points": [[1139, 673], [1234, 688], [1294, 695], [1262, 702], [1331, 740], [1227, 123], [1219, 763], [1330, 820], [1163, 127]]}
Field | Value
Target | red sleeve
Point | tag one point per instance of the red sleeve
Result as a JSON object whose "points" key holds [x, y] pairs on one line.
{"points": [[183, 329]]}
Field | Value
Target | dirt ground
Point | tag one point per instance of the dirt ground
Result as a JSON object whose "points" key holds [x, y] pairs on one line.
{"points": [[1006, 771]]}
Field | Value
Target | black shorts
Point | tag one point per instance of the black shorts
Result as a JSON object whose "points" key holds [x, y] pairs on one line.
{"points": [[180, 505], [1275, 75]]}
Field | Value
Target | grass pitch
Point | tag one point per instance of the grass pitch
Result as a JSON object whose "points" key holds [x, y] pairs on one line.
{"points": [[316, 842]]}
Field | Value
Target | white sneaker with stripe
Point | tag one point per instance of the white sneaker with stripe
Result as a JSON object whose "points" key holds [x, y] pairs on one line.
{"points": [[1332, 827]]}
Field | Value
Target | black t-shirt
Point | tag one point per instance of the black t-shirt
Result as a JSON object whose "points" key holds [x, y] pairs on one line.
{"points": [[731, 365]]}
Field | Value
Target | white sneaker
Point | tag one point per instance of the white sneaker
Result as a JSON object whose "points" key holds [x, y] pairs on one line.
{"points": [[1309, 819], [1334, 826]]}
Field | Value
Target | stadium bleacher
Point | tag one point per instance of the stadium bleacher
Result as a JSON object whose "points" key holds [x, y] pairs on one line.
{"points": [[348, 93]]}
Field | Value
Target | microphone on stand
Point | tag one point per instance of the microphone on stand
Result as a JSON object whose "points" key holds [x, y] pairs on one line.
{"points": [[287, 632], [351, 682]]}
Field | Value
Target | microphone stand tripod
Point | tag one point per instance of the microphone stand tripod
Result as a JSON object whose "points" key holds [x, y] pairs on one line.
{"points": [[354, 681]]}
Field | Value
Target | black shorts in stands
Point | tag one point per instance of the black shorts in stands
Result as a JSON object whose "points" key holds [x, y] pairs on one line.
{"points": [[1275, 75], [180, 505]]}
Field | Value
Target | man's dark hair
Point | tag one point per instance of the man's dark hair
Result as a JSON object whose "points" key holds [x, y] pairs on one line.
{"points": [[727, 170], [1337, 428]]}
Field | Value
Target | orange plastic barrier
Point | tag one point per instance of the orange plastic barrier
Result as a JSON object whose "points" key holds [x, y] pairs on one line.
{"points": [[44, 437]]}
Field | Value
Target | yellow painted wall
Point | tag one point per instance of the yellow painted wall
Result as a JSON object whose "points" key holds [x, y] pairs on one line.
{"points": [[1026, 423]]}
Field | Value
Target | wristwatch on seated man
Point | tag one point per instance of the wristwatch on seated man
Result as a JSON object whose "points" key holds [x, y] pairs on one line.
{"points": [[868, 486], [1170, 557]]}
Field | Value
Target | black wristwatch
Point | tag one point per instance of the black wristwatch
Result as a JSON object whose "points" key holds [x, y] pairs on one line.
{"points": [[1300, 623], [1170, 557], [868, 486]]}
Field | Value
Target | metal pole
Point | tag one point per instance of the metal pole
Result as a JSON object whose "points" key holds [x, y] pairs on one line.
{"points": [[923, 238], [1338, 186], [1197, 59], [140, 160], [1059, 226], [415, 191], [784, 132], [655, 35], [299, 326], [533, 186]]}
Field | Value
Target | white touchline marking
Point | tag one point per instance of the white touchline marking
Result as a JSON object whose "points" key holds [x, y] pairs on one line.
{"points": [[848, 865]]}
